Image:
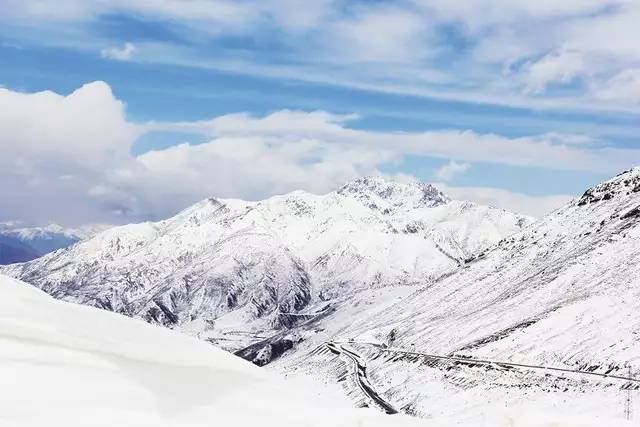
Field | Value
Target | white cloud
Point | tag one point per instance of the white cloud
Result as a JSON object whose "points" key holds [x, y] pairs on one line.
{"points": [[255, 167], [87, 126], [451, 49], [449, 171], [536, 206], [119, 54], [68, 158], [551, 150], [560, 67], [52, 147]]}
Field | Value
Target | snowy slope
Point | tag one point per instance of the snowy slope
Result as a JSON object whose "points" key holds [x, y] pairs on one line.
{"points": [[234, 272], [555, 292], [564, 292], [67, 365]]}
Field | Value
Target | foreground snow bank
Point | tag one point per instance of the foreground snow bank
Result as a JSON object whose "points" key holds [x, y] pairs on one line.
{"points": [[63, 364]]}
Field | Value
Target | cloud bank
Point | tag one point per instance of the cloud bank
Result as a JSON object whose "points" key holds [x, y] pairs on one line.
{"points": [[68, 158]]}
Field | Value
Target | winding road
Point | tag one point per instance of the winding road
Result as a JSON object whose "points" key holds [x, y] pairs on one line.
{"points": [[360, 375], [361, 379], [468, 360]]}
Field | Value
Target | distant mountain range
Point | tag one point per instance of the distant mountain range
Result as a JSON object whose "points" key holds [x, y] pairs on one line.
{"points": [[19, 243]]}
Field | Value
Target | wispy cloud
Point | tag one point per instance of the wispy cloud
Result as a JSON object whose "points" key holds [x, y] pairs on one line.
{"points": [[523, 53], [120, 54]]}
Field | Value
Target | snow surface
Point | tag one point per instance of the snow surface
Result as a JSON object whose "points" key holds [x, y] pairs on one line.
{"points": [[68, 365]]}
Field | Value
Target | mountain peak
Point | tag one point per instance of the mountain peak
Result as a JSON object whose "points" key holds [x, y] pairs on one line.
{"points": [[378, 188], [625, 184]]}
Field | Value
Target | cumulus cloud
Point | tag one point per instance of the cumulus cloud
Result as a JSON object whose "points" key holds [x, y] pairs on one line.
{"points": [[119, 54], [68, 158], [86, 127], [52, 146], [450, 170]]}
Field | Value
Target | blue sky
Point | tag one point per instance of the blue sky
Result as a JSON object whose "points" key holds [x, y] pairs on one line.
{"points": [[518, 105]]}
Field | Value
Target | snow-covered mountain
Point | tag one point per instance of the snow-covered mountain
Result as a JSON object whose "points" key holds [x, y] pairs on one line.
{"points": [[67, 365], [233, 272], [580, 262], [474, 305], [20, 243], [564, 292]]}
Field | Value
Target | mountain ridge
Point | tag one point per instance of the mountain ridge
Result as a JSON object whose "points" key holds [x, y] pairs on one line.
{"points": [[227, 265]]}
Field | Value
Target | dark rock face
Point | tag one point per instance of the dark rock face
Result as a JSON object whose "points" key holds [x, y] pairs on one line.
{"points": [[633, 213], [623, 185], [264, 352]]}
